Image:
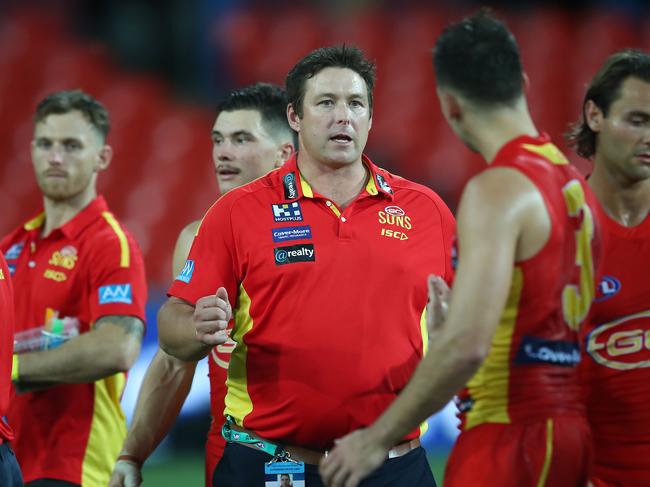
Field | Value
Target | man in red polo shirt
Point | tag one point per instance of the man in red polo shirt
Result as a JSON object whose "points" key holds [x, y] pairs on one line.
{"points": [[324, 262], [528, 247], [250, 137], [10, 475], [73, 263]]}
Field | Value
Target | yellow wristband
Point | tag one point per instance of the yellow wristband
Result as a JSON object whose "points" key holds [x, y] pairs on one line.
{"points": [[14, 368]]}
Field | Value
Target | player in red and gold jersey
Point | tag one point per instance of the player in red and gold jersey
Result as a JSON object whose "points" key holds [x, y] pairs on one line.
{"points": [[10, 475], [615, 132], [324, 261], [524, 285], [251, 136], [73, 263]]}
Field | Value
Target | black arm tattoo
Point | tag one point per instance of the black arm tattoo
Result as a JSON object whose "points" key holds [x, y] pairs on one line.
{"points": [[130, 324]]}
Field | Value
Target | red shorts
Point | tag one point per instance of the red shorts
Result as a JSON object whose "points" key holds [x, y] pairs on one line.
{"points": [[214, 447], [554, 452]]}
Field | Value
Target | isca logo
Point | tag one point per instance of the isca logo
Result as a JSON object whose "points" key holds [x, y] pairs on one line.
{"points": [[609, 286]]}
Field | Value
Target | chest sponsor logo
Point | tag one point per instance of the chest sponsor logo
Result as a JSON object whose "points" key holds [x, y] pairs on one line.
{"points": [[115, 293], [186, 274], [394, 215], [14, 251], [64, 258], [608, 287], [623, 344], [554, 352], [53, 275], [290, 188], [294, 253], [291, 233], [287, 212], [383, 184]]}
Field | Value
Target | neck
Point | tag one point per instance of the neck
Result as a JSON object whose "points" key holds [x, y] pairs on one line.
{"points": [[495, 128], [338, 183], [58, 213], [627, 202]]}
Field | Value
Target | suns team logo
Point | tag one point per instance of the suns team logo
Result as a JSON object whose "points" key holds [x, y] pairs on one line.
{"points": [[66, 257], [396, 217], [622, 344]]}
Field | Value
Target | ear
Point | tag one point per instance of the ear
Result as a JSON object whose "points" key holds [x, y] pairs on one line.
{"points": [[450, 106], [526, 82], [594, 116], [105, 157], [284, 153], [294, 119]]}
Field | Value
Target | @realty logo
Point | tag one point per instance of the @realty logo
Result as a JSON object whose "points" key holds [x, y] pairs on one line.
{"points": [[294, 253]]}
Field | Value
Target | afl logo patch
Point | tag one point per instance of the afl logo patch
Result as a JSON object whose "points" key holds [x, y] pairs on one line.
{"points": [[608, 287]]}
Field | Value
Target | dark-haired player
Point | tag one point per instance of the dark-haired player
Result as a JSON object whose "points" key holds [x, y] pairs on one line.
{"points": [[250, 136]]}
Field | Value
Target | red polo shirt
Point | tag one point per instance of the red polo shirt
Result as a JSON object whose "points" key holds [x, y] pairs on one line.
{"points": [[6, 346], [88, 268], [328, 303]]}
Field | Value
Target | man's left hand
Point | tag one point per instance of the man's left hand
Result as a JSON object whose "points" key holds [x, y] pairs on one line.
{"points": [[354, 457]]}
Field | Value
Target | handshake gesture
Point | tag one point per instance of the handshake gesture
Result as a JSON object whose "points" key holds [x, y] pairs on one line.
{"points": [[211, 316]]}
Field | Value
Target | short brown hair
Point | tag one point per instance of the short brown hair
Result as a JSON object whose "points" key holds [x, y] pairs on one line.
{"points": [[604, 89], [328, 57], [63, 102]]}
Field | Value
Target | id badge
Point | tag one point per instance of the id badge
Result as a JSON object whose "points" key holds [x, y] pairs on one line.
{"points": [[284, 474]]}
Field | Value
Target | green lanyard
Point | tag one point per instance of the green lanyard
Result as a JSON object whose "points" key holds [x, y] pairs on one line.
{"points": [[231, 436]]}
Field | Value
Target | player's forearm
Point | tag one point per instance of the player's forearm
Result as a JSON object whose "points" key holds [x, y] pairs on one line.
{"points": [[110, 348], [162, 394], [446, 368], [176, 332]]}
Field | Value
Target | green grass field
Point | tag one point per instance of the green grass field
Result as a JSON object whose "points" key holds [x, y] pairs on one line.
{"points": [[187, 470]]}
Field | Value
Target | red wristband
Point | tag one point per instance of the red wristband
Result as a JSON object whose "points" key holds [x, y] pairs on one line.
{"points": [[131, 458]]}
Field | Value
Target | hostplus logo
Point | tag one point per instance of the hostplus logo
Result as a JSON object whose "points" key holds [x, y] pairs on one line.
{"points": [[287, 212], [294, 253]]}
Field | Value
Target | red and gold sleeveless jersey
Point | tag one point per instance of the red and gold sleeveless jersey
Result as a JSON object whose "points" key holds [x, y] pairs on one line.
{"points": [[616, 365], [531, 369]]}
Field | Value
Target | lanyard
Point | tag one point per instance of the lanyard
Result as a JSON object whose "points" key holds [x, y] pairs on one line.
{"points": [[231, 436]]}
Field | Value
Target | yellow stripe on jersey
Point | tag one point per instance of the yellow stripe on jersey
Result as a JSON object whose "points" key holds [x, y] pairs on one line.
{"points": [[125, 252], [424, 427], [548, 455], [371, 187], [107, 432], [307, 192], [489, 386], [35, 222], [238, 401], [548, 151]]}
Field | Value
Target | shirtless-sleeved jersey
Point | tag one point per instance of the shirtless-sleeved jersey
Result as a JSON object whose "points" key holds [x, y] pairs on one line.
{"points": [[616, 366]]}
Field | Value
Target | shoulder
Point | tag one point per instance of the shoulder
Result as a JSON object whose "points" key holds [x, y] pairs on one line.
{"points": [[107, 239]]}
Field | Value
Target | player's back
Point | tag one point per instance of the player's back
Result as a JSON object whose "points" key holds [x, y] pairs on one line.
{"points": [[531, 369], [616, 366]]}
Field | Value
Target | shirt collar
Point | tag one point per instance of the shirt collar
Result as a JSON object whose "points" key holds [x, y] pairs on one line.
{"points": [[295, 187], [78, 223]]}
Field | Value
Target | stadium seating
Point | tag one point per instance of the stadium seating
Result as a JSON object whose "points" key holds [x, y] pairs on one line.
{"points": [[162, 176]]}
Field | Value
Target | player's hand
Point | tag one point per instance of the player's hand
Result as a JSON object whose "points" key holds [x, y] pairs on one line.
{"points": [[438, 304], [125, 474], [211, 317], [354, 457]]}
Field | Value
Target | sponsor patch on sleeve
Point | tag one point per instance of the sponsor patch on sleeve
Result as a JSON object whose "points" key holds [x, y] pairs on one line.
{"points": [[115, 293], [186, 274]]}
